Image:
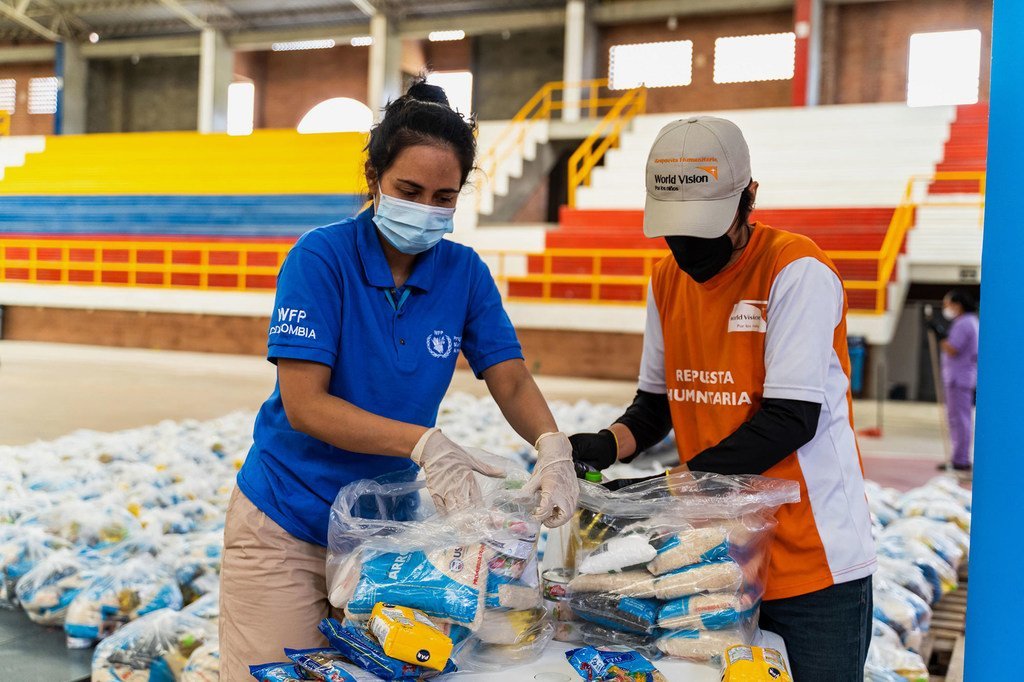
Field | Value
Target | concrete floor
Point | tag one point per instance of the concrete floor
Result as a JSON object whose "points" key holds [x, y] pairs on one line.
{"points": [[48, 390]]}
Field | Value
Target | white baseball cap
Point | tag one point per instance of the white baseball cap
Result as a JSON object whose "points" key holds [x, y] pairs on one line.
{"points": [[697, 169]]}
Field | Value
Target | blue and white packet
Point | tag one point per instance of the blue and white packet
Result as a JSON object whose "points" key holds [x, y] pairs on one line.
{"points": [[625, 614], [596, 665], [357, 646], [688, 547], [448, 584], [704, 612], [328, 665], [276, 672]]}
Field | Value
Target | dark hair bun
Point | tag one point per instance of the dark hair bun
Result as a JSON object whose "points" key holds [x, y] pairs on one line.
{"points": [[424, 92]]}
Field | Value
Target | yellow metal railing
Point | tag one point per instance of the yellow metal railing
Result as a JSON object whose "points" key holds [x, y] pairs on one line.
{"points": [[592, 271], [605, 136], [189, 265], [593, 274], [591, 97]]}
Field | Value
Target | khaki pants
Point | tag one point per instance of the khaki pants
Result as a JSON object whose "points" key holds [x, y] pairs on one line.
{"points": [[273, 591]]}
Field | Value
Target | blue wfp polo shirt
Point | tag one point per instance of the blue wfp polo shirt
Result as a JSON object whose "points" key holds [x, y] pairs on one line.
{"points": [[335, 306]]}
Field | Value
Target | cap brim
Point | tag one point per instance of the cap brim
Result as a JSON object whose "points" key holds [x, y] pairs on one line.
{"points": [[708, 218]]}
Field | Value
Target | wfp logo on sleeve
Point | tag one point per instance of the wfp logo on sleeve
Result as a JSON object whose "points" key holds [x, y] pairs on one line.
{"points": [[292, 321], [749, 316], [441, 345]]}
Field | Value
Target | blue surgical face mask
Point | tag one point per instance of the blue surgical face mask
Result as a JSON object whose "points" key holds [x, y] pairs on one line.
{"points": [[411, 227]]}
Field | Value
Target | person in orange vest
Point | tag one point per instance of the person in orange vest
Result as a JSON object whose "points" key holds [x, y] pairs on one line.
{"points": [[745, 357]]}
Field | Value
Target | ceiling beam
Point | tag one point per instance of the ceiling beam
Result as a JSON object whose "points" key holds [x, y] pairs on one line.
{"points": [[630, 11], [248, 41], [175, 46], [26, 53], [484, 23], [17, 14], [365, 6], [185, 14]]}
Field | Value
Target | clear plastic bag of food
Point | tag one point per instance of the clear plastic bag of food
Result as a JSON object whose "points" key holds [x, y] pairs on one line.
{"points": [[939, 574], [899, 608], [906, 573], [680, 557], [889, 661], [946, 539], [94, 523], [882, 503], [596, 635], [118, 595], [22, 547], [204, 663], [47, 590], [197, 564], [388, 544], [951, 486], [157, 646]]}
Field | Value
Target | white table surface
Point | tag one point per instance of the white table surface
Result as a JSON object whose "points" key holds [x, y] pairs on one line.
{"points": [[552, 666]]}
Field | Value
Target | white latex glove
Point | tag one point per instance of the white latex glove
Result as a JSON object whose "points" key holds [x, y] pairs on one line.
{"points": [[449, 471], [555, 478]]}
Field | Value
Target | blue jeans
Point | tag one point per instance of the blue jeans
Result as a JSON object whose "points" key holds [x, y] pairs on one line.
{"points": [[826, 632]]}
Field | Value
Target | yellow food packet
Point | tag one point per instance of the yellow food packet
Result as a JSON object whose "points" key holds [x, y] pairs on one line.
{"points": [[409, 636], [754, 664]]}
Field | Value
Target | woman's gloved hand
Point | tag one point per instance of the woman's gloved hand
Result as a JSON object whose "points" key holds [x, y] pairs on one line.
{"points": [[597, 450], [555, 477], [449, 471]]}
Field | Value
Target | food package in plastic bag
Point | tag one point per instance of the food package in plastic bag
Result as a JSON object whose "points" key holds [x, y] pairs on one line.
{"points": [[505, 638], [388, 544], [882, 503], [902, 610], [46, 591], [946, 539], [206, 607], [950, 485], [197, 564], [709, 535], [597, 635], [906, 573], [204, 663], [90, 523], [118, 595], [360, 647], [702, 646], [154, 648], [21, 548], [889, 661], [939, 574], [17, 502]]}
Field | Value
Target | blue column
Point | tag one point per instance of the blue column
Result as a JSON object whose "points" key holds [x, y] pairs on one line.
{"points": [[58, 69], [995, 607]]}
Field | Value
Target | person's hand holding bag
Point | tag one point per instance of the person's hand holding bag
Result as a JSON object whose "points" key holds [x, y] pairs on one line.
{"points": [[554, 477], [449, 471]]}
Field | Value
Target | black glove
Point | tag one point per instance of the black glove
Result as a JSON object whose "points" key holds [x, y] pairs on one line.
{"points": [[596, 450], [620, 483], [938, 326]]}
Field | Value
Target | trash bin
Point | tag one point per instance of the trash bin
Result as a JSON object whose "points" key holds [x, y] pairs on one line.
{"points": [[858, 357]]}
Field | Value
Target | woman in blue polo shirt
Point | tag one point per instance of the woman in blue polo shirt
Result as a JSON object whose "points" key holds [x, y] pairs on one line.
{"points": [[370, 316]]}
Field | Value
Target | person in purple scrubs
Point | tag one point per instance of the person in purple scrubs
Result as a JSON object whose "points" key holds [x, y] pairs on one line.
{"points": [[960, 372]]}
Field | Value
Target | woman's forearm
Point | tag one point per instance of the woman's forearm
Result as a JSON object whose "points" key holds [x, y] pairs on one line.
{"points": [[343, 425], [520, 400], [312, 410]]}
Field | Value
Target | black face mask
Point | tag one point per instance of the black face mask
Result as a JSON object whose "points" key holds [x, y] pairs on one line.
{"points": [[700, 258]]}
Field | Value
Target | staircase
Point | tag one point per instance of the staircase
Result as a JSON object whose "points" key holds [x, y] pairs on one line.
{"points": [[818, 178], [13, 150], [945, 245]]}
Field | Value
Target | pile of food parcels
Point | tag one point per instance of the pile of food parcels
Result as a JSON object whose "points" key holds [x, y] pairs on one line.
{"points": [[117, 538]]}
